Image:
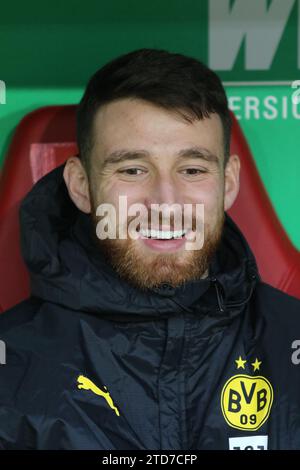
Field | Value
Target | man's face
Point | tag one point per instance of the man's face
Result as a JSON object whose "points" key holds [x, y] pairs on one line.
{"points": [[171, 161]]}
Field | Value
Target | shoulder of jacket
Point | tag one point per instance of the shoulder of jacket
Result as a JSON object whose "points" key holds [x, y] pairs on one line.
{"points": [[276, 299], [19, 314]]}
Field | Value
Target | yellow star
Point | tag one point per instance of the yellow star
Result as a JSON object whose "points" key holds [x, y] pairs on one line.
{"points": [[240, 363], [256, 365]]}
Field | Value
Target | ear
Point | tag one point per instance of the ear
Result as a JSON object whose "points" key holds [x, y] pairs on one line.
{"points": [[77, 183], [232, 181]]}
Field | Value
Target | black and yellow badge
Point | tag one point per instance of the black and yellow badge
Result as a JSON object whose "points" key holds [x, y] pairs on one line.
{"points": [[246, 400]]}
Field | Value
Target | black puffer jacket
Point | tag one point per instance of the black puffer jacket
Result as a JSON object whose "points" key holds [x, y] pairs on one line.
{"points": [[93, 363]]}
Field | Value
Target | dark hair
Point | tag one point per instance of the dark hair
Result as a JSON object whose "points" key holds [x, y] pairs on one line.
{"points": [[172, 81]]}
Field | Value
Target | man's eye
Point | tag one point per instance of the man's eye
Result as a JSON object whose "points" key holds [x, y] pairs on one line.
{"points": [[194, 171], [131, 171]]}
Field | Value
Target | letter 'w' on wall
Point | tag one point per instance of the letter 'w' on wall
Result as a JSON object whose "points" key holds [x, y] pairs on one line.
{"points": [[257, 23]]}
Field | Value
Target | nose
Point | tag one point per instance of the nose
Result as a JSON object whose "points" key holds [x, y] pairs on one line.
{"points": [[163, 191]]}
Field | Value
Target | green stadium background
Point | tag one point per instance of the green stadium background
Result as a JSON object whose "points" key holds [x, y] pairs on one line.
{"points": [[49, 51]]}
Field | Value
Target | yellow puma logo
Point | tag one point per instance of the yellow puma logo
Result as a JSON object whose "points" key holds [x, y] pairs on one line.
{"points": [[87, 384]]}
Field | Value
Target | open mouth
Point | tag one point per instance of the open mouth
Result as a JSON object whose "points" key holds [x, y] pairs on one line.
{"points": [[163, 240]]}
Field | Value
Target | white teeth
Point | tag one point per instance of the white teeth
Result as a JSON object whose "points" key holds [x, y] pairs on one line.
{"points": [[162, 234]]}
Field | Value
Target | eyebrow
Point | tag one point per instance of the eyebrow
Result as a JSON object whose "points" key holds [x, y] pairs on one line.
{"points": [[119, 156]]}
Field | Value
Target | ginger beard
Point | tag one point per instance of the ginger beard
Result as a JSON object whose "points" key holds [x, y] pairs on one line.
{"points": [[146, 269]]}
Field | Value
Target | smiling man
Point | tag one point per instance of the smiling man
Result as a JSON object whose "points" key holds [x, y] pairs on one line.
{"points": [[155, 156], [135, 336]]}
